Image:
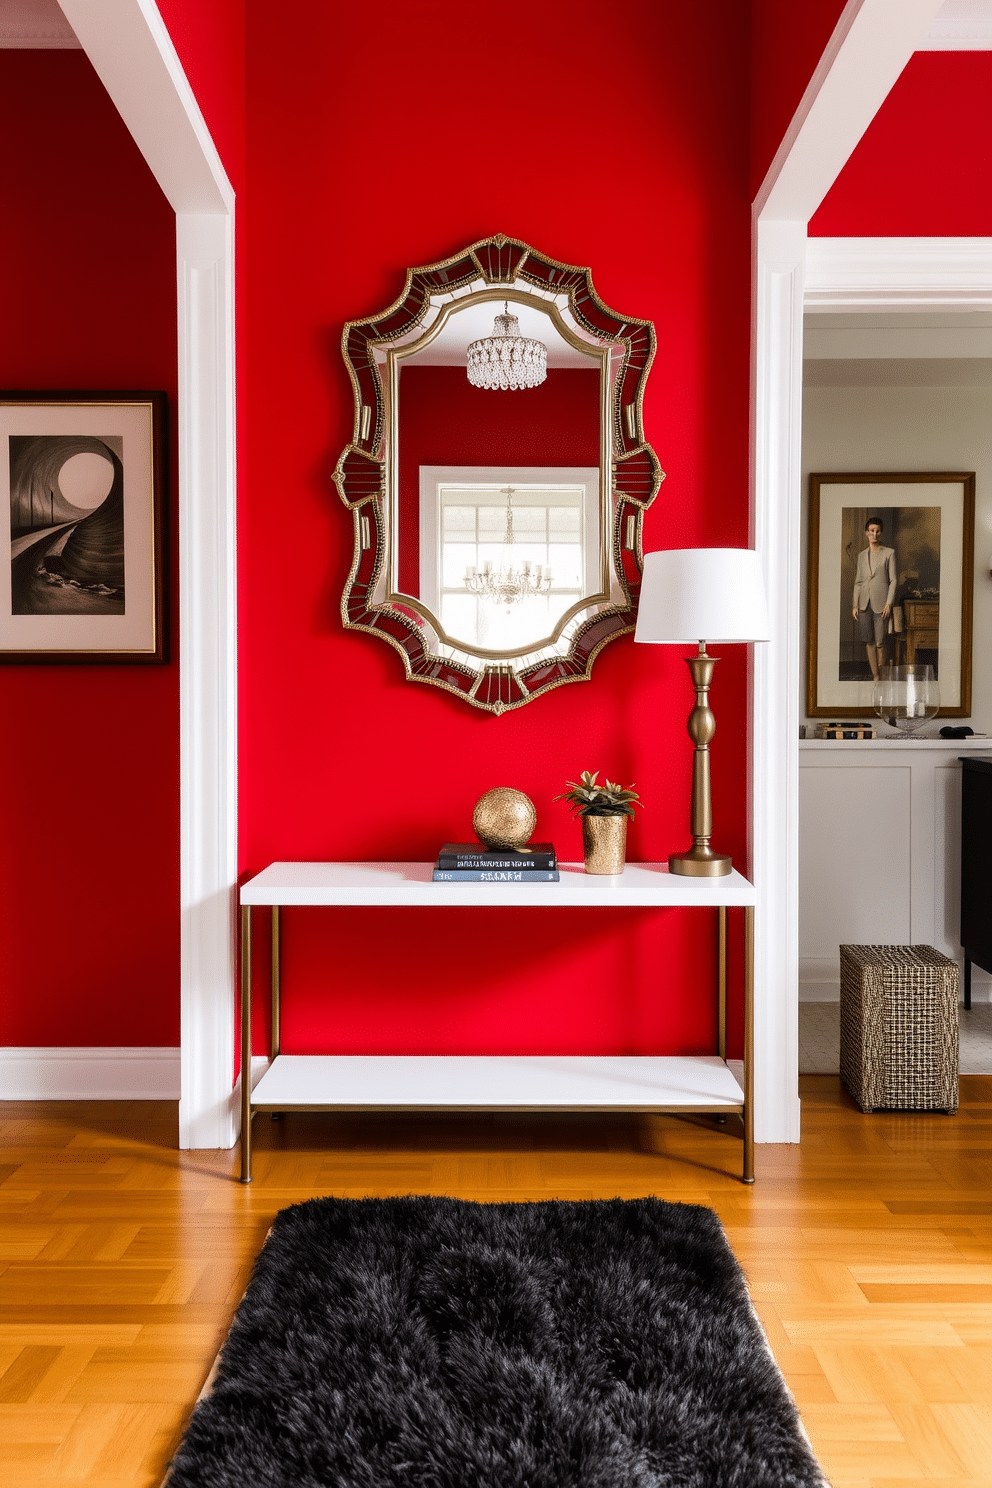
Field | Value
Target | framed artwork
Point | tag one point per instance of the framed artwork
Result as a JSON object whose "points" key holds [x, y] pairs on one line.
{"points": [[82, 527], [910, 540]]}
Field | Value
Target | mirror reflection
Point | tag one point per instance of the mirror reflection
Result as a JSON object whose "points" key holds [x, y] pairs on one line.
{"points": [[503, 542]]}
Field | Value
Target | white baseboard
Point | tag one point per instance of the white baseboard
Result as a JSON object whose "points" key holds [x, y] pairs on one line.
{"points": [[99, 1074], [819, 979], [89, 1074], [816, 991]]}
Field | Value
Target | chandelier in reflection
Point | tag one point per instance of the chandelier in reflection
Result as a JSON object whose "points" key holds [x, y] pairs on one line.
{"points": [[507, 583], [506, 359]]}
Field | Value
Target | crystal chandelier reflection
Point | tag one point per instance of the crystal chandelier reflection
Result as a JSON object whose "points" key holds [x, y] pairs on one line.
{"points": [[506, 359], [507, 584]]}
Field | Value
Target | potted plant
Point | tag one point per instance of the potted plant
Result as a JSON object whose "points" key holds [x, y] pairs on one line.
{"points": [[604, 810]]}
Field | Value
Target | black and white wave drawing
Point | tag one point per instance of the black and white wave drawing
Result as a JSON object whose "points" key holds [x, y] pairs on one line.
{"points": [[67, 524]]}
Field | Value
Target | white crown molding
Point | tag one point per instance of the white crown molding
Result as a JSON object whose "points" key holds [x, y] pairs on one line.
{"points": [[89, 1074], [898, 273], [33, 24], [960, 26]]}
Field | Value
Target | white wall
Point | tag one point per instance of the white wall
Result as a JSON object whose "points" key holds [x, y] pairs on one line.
{"points": [[892, 394], [886, 428]]}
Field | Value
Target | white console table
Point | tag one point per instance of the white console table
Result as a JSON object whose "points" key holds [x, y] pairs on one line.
{"points": [[307, 1082]]}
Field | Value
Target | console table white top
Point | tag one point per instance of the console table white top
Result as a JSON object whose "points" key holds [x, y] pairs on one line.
{"points": [[644, 884]]}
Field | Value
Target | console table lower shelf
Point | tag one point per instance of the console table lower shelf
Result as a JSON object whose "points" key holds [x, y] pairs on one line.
{"points": [[700, 1085]]}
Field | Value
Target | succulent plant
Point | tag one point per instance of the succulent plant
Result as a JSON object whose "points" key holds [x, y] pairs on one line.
{"points": [[586, 798]]}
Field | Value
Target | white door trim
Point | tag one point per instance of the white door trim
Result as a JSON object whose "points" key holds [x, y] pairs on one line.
{"points": [[132, 52], [208, 1106], [869, 48], [777, 424]]}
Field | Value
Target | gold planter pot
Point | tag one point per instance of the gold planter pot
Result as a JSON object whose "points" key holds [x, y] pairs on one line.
{"points": [[604, 843]]}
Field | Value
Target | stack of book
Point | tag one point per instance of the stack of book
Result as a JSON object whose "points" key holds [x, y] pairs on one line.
{"points": [[852, 730], [470, 862]]}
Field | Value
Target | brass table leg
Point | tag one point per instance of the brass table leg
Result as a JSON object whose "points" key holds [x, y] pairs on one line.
{"points": [[276, 983], [721, 980], [748, 1044], [275, 1002], [246, 1043]]}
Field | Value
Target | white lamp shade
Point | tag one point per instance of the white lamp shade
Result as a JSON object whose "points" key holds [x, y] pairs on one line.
{"points": [[702, 594]]}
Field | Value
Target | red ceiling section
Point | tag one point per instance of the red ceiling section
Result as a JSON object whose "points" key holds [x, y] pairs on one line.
{"points": [[374, 148], [89, 874], [924, 166], [788, 38]]}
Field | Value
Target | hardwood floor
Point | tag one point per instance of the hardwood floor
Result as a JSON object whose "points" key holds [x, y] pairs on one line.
{"points": [[868, 1248]]}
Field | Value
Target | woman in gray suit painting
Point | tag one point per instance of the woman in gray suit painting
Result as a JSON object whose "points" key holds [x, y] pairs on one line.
{"points": [[874, 592]]}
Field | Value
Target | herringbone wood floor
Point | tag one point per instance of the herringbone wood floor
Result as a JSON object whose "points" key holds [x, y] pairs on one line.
{"points": [[868, 1249]]}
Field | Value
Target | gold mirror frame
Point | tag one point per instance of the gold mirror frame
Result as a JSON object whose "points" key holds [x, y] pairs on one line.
{"points": [[495, 268]]}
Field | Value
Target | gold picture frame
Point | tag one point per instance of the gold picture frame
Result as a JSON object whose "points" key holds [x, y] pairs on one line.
{"points": [[928, 519]]}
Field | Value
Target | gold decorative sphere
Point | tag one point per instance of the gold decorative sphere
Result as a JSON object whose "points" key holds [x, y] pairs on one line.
{"points": [[504, 817]]}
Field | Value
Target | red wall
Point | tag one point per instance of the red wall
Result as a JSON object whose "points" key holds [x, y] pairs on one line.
{"points": [[924, 165], [444, 420], [624, 148], [89, 873]]}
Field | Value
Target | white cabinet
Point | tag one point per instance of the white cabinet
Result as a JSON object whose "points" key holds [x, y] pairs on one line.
{"points": [[879, 850]]}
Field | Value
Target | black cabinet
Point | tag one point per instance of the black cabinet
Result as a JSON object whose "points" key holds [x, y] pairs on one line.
{"points": [[976, 867]]}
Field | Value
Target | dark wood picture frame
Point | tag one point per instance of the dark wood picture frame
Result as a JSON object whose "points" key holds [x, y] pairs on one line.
{"points": [[836, 504], [83, 531]]}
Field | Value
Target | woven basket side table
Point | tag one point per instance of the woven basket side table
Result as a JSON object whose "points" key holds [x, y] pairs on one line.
{"points": [[899, 1027]]}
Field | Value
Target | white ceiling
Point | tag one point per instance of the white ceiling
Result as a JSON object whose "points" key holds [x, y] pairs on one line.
{"points": [[449, 347], [960, 26]]}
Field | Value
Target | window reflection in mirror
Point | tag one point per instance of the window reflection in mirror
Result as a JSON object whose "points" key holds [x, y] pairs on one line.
{"points": [[555, 530]]}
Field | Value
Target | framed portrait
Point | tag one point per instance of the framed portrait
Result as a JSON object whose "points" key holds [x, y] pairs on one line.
{"points": [[899, 551], [82, 527]]}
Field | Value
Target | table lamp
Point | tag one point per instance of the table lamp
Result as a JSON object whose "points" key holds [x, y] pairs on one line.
{"points": [[701, 594]]}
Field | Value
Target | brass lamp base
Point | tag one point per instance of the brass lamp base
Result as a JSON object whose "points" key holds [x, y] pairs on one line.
{"points": [[701, 861], [697, 863]]}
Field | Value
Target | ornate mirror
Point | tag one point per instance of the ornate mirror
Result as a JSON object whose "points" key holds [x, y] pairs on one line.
{"points": [[498, 474]]}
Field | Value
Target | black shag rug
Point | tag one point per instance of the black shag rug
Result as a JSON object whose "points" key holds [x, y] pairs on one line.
{"points": [[433, 1343]]}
